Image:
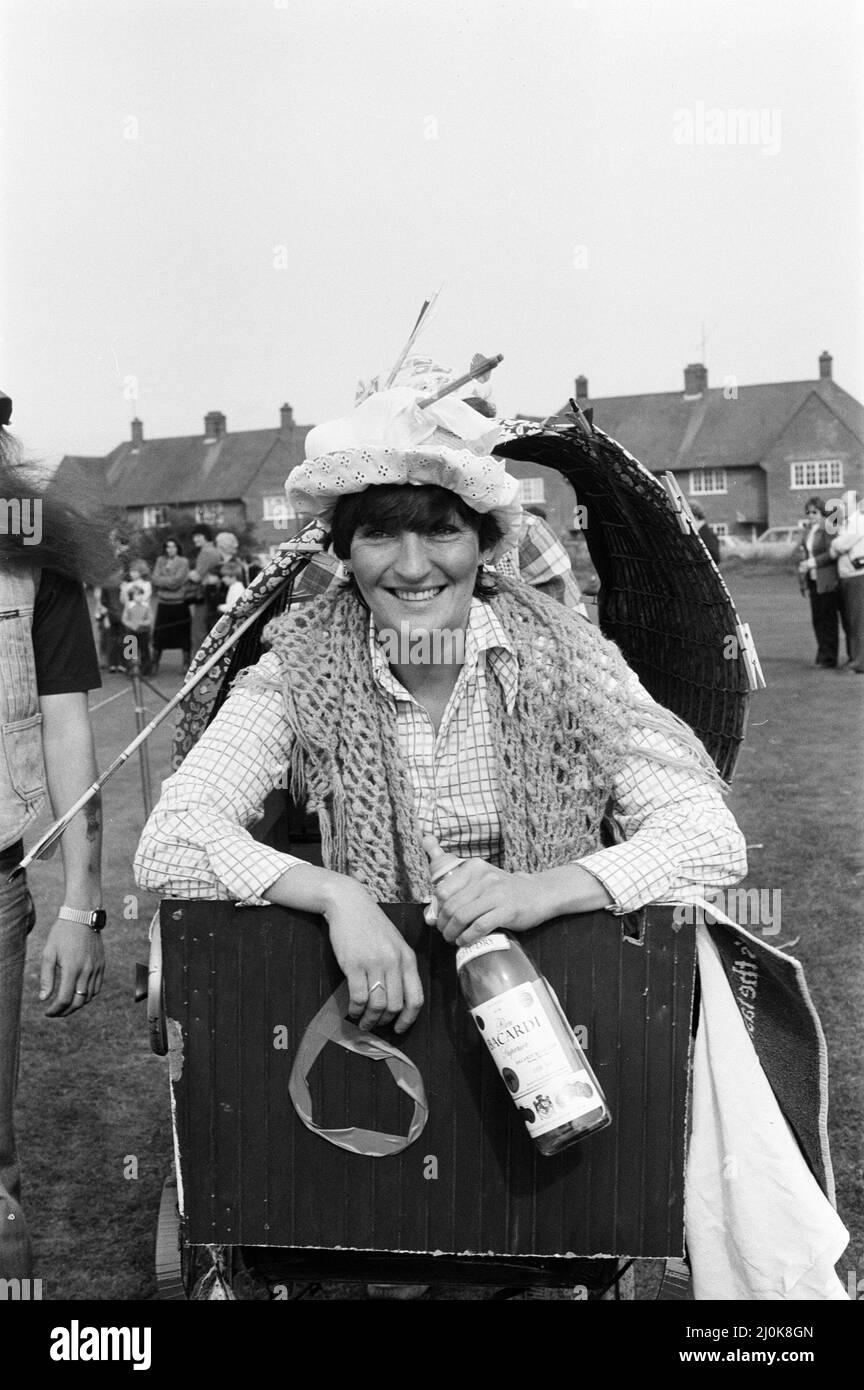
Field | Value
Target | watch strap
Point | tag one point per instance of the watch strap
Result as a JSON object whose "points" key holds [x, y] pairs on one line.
{"points": [[95, 918]]}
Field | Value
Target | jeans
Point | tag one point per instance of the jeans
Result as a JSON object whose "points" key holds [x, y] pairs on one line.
{"points": [[16, 920], [825, 612], [852, 598]]}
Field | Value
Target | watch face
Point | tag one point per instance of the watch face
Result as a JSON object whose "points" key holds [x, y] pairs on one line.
{"points": [[98, 919]]}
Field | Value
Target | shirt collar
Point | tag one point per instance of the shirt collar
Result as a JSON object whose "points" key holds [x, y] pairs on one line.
{"points": [[486, 643]]}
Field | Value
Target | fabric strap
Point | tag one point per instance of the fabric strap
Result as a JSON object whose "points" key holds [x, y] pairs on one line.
{"points": [[330, 1025]]}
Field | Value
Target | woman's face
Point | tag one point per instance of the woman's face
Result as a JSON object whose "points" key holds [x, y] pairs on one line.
{"points": [[812, 516], [170, 549], [426, 581]]}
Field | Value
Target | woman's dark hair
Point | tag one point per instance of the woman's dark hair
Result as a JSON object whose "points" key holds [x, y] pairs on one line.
{"points": [[400, 507], [818, 504], [203, 530], [170, 540], [71, 537]]}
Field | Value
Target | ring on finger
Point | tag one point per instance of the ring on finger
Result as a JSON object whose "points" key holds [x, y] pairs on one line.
{"points": [[81, 991], [379, 984]]}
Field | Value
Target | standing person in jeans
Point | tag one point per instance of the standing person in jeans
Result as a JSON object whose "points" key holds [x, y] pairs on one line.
{"points": [[817, 572], [204, 611], [172, 627], [109, 604], [47, 665], [848, 549]]}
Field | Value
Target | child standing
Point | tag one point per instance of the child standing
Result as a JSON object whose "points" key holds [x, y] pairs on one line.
{"points": [[137, 617]]}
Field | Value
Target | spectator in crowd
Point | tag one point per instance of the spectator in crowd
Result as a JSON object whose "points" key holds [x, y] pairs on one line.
{"points": [[205, 609], [138, 616], [848, 549], [48, 664], [109, 605], [706, 535], [817, 577], [229, 549], [172, 627], [232, 584]]}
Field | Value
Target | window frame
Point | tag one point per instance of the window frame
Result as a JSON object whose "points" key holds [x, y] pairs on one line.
{"points": [[698, 474], [280, 511], [808, 484]]}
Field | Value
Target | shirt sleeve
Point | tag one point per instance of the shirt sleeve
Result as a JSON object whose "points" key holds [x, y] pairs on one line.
{"points": [[62, 634], [679, 837], [196, 843]]}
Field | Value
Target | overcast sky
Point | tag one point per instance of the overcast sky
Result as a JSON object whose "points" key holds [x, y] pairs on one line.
{"points": [[224, 204]]}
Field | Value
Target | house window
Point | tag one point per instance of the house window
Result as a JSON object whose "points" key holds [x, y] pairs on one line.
{"points": [[154, 516], [707, 480], [278, 510], [211, 513], [817, 473], [720, 528], [532, 490]]}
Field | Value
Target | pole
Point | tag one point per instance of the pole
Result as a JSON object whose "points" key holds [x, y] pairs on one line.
{"points": [[140, 712], [303, 553]]}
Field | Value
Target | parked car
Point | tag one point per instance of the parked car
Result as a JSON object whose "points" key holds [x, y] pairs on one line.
{"points": [[732, 545], [779, 541]]}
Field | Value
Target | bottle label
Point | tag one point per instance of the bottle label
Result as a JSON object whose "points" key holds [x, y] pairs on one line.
{"points": [[495, 941], [548, 1082]]}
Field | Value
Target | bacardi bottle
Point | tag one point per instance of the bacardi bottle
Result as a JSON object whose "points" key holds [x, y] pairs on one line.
{"points": [[532, 1044]]}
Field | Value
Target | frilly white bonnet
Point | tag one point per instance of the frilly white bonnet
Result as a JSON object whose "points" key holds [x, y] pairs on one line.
{"points": [[389, 438]]}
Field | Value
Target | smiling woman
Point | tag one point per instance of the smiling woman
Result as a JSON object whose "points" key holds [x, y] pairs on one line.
{"points": [[508, 747], [415, 557]]}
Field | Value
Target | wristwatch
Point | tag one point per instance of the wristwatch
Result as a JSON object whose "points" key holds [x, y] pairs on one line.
{"points": [[95, 920]]}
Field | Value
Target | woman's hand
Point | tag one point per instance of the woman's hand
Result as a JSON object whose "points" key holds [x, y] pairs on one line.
{"points": [[369, 949], [379, 965], [477, 898]]}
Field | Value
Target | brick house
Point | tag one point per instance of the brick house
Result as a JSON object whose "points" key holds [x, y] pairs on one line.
{"points": [[749, 455], [227, 480]]}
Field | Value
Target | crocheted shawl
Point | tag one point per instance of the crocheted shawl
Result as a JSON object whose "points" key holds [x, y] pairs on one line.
{"points": [[558, 751]]}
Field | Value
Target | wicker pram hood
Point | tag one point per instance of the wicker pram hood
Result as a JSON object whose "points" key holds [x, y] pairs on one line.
{"points": [[661, 598]]}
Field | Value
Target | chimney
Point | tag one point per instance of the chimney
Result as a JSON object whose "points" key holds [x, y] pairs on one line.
{"points": [[286, 419], [137, 433], [825, 362], [214, 425], [581, 388], [695, 379]]}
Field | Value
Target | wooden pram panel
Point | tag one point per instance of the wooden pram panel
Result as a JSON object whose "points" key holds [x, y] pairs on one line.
{"points": [[241, 981]]}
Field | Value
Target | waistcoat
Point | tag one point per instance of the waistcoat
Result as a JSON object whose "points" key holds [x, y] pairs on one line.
{"points": [[22, 770]]}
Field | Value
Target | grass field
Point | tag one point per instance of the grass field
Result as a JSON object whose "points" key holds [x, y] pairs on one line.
{"points": [[93, 1117]]}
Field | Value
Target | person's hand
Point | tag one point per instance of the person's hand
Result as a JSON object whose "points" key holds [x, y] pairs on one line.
{"points": [[371, 952], [477, 898], [73, 963]]}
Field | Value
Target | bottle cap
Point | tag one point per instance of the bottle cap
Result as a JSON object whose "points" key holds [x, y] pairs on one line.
{"points": [[442, 863], [495, 941]]}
